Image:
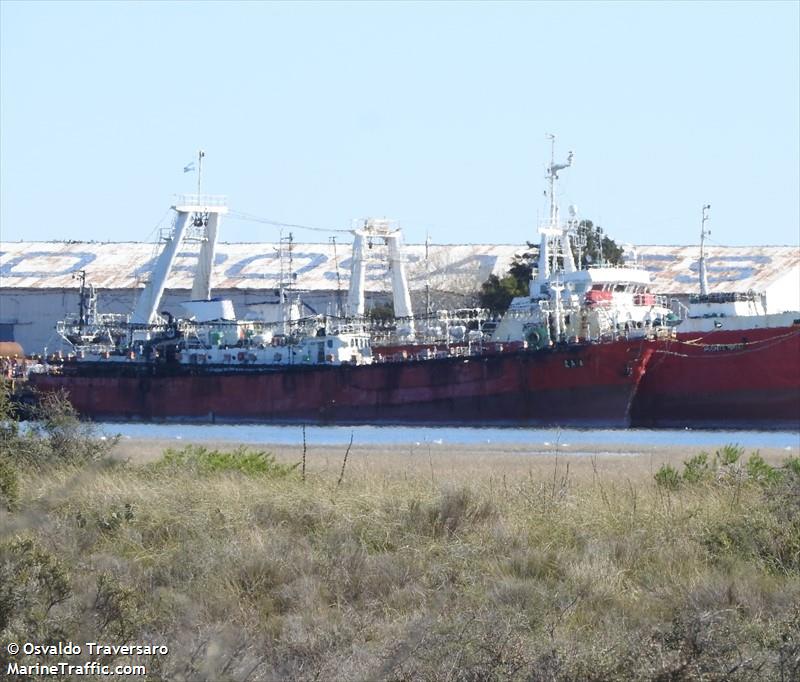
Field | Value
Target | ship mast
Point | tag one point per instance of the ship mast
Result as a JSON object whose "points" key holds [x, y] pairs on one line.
{"points": [[338, 279], [552, 231], [552, 176], [703, 234], [427, 278], [81, 275], [285, 281]]}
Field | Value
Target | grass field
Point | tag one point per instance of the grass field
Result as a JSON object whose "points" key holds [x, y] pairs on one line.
{"points": [[419, 565]]}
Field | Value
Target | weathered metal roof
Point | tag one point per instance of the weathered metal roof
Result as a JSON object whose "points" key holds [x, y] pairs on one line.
{"points": [[461, 268], [675, 269]]}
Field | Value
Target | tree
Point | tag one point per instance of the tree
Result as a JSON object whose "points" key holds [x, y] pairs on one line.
{"points": [[496, 293], [381, 312], [593, 242]]}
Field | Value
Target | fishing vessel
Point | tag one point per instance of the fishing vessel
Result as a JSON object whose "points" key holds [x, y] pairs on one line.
{"points": [[724, 362], [201, 363], [731, 364], [745, 377]]}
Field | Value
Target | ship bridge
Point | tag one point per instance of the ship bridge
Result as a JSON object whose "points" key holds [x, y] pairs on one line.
{"points": [[606, 277]]}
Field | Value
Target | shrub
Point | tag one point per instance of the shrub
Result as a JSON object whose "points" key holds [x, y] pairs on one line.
{"points": [[9, 485], [247, 578], [667, 477], [758, 470], [8, 416], [56, 435], [729, 454], [792, 465], [757, 538], [32, 582], [201, 460], [454, 509], [117, 609], [696, 469]]}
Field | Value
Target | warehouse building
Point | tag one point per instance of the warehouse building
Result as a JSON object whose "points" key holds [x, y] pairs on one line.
{"points": [[39, 281]]}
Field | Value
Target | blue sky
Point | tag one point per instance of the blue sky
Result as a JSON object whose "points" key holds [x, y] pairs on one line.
{"points": [[433, 114]]}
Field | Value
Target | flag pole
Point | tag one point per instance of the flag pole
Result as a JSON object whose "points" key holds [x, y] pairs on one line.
{"points": [[200, 155]]}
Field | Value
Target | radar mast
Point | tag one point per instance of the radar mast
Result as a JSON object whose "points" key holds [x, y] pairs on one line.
{"points": [[703, 234]]}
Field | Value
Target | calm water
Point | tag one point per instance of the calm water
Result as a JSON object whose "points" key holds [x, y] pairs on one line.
{"points": [[394, 435]]}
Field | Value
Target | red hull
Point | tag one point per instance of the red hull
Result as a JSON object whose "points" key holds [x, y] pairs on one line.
{"points": [[723, 379], [584, 385]]}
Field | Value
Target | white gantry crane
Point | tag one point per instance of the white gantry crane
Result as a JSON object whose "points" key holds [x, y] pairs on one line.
{"points": [[379, 229], [195, 211]]}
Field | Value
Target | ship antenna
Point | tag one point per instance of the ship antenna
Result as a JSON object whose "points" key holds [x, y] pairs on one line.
{"points": [[703, 234], [338, 279], [427, 277], [81, 275], [552, 176], [282, 282], [200, 155]]}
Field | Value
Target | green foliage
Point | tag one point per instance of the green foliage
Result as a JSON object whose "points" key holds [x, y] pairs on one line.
{"points": [[108, 520], [521, 268], [729, 454], [9, 428], [56, 435], [117, 608], [696, 469], [496, 292], [597, 246], [204, 461], [381, 312], [32, 582], [792, 465], [476, 575], [727, 461], [758, 470], [668, 477], [9, 484], [759, 538]]}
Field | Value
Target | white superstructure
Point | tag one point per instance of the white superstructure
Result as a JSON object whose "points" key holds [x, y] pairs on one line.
{"points": [[566, 303]]}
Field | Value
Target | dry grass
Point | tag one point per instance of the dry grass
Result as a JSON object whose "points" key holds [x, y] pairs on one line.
{"points": [[441, 566]]}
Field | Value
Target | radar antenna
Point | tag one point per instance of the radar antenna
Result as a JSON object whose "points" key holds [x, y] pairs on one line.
{"points": [[552, 176]]}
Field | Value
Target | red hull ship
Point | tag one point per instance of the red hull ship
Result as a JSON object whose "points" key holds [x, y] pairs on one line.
{"points": [[587, 346], [209, 366], [747, 378], [582, 385]]}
